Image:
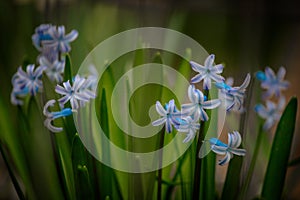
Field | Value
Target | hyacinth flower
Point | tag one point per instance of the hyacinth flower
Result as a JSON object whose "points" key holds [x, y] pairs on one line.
{"points": [[25, 83], [54, 115], [169, 115], [234, 141], [41, 34], [234, 96], [271, 113], [198, 103], [77, 94], [188, 125], [208, 72], [273, 83], [53, 70], [59, 40]]}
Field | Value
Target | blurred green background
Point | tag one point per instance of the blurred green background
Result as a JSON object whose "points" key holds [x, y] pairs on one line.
{"points": [[245, 35]]}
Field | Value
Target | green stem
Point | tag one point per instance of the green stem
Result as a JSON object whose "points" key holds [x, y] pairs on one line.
{"points": [[197, 171], [159, 178], [252, 163]]}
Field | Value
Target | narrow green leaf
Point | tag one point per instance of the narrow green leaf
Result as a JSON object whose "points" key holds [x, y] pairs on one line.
{"points": [[81, 175], [68, 69], [277, 166], [85, 189]]}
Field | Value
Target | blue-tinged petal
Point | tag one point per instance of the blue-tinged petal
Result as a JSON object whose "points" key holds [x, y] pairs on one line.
{"points": [[211, 104], [190, 136], [168, 126], [219, 149], [209, 61], [269, 73], [281, 103], [207, 83], [216, 77], [71, 36], [64, 47], [234, 139], [281, 73], [217, 69], [196, 115], [50, 103], [159, 121], [270, 105], [225, 160], [203, 115], [14, 100], [29, 70], [199, 96], [268, 123], [284, 84], [52, 128], [191, 94], [261, 111], [161, 111], [198, 78], [171, 106], [61, 90], [239, 152], [229, 81], [64, 100], [246, 82], [74, 103], [197, 67], [61, 30]]}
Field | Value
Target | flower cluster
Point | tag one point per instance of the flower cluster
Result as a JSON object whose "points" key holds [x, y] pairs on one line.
{"points": [[273, 84], [187, 119], [53, 44], [78, 93], [25, 83]]}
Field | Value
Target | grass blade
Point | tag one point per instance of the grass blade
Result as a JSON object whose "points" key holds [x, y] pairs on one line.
{"points": [[278, 163]]}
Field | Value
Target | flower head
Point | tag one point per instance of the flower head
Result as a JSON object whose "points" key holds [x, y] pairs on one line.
{"points": [[41, 34], [77, 94], [169, 115], [28, 82], [54, 115], [271, 113], [234, 141], [59, 40], [273, 83], [188, 125], [198, 104], [234, 96], [207, 72], [54, 70]]}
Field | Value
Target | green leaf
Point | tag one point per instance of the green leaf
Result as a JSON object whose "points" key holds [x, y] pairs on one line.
{"points": [[68, 69], [79, 162], [85, 189], [278, 163]]}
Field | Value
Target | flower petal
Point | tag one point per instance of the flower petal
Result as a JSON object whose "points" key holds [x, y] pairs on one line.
{"points": [[159, 121]]}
